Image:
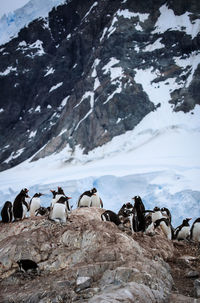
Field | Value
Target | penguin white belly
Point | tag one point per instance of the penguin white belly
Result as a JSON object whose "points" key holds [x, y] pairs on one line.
{"points": [[25, 210], [166, 230], [150, 229], [184, 233], [35, 205], [59, 212], [85, 201], [95, 200], [196, 232], [156, 216]]}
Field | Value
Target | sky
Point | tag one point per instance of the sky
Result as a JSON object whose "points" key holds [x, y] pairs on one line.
{"points": [[7, 6]]}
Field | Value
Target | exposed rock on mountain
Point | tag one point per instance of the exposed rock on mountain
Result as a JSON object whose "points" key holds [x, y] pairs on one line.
{"points": [[87, 260], [72, 80]]}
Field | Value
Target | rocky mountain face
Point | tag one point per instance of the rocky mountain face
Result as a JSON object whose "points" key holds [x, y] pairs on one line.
{"points": [[88, 260], [68, 80]]}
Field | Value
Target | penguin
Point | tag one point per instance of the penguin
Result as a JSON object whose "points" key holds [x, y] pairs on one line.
{"points": [[139, 212], [85, 199], [149, 226], [56, 195], [109, 215], [124, 212], [7, 212], [166, 227], [20, 206], [42, 211], [26, 265], [95, 199], [182, 232], [59, 211], [156, 214], [35, 204], [166, 213], [195, 230]]}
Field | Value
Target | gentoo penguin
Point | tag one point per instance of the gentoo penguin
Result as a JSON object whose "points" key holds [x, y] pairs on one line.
{"points": [[139, 212], [149, 225], [156, 214], [124, 212], [56, 195], [26, 265], [109, 215], [166, 213], [195, 230], [7, 212], [95, 199], [85, 199], [166, 227], [42, 211], [35, 204], [20, 206], [182, 232], [59, 211]]}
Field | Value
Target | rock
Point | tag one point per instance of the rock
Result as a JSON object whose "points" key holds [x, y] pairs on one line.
{"points": [[82, 283], [197, 288], [192, 274], [48, 112]]}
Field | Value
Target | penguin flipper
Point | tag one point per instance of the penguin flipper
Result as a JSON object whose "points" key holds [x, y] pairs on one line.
{"points": [[101, 203]]}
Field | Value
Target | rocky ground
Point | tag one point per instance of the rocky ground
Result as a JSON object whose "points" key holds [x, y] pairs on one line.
{"points": [[87, 260]]}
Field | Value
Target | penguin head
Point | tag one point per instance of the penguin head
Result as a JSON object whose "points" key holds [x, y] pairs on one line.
{"points": [[156, 208], [60, 191], [94, 190], [186, 221], [53, 192], [37, 195]]}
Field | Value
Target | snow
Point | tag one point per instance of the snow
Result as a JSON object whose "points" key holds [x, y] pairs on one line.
{"points": [[38, 109], [95, 4], [38, 44], [156, 45], [8, 70], [50, 71], [169, 21], [114, 72], [55, 86], [32, 134], [192, 62], [127, 14], [14, 155], [64, 102], [12, 21]]}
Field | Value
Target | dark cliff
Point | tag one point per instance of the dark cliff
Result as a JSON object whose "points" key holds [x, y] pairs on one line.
{"points": [[69, 78]]}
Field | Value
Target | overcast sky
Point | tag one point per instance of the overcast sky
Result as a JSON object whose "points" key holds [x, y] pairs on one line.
{"points": [[7, 6]]}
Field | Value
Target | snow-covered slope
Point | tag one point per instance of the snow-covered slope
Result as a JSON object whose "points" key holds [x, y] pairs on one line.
{"points": [[159, 161], [138, 60], [12, 22]]}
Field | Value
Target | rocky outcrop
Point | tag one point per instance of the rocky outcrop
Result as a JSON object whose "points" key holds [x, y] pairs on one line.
{"points": [[84, 260], [69, 80]]}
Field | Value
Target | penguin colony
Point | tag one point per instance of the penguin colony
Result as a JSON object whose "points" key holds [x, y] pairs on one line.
{"points": [[139, 219]]}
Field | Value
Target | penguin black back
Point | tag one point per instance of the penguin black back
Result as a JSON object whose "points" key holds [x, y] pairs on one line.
{"points": [[109, 215], [26, 264], [7, 212], [140, 213], [18, 204]]}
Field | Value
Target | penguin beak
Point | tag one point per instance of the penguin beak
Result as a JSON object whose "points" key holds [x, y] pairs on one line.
{"points": [[69, 197]]}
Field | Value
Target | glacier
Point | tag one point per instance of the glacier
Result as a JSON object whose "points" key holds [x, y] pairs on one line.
{"points": [[12, 22]]}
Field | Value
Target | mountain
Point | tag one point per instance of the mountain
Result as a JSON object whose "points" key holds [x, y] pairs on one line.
{"points": [[91, 71], [12, 22]]}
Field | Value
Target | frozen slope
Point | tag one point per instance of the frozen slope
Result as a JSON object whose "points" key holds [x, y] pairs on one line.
{"points": [[12, 22], [162, 165]]}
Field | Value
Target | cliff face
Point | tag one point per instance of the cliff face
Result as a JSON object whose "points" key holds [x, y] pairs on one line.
{"points": [[87, 260], [70, 79]]}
